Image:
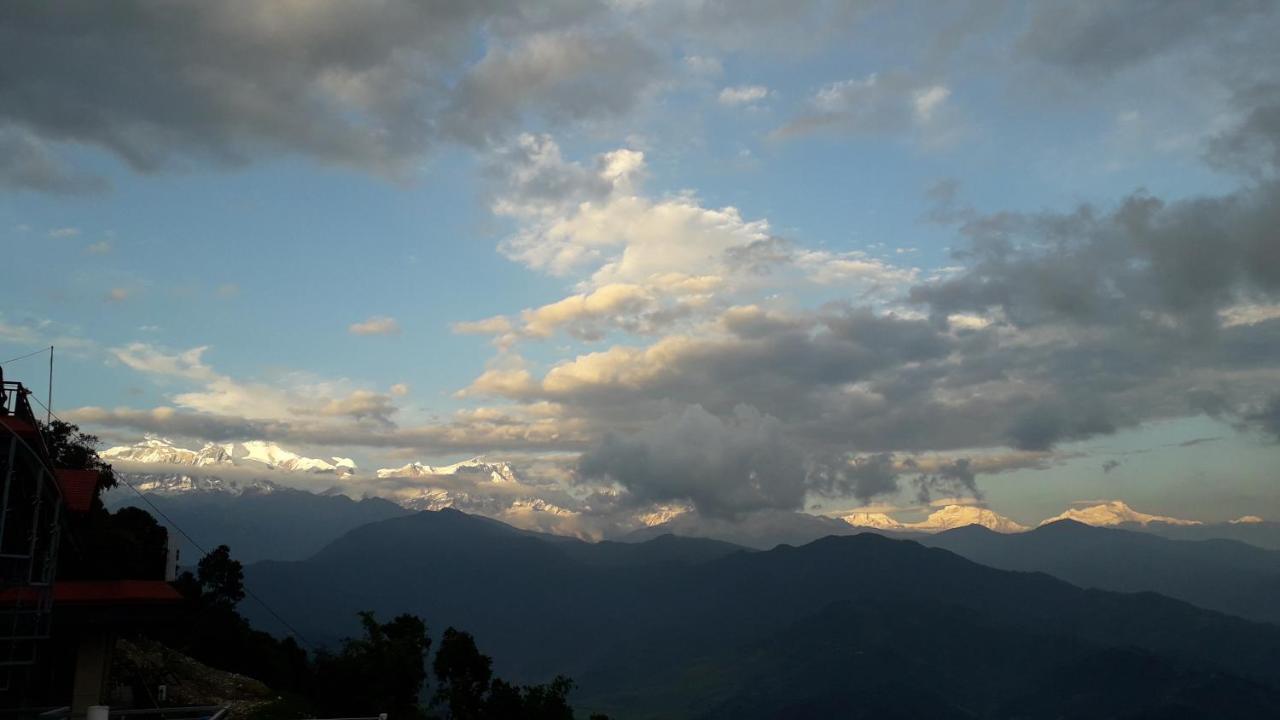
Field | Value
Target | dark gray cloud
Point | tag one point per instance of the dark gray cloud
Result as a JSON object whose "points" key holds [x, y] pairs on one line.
{"points": [[1144, 262], [28, 163], [1110, 465], [722, 466], [1042, 426], [1266, 417], [366, 84], [1093, 37], [862, 478], [1253, 144], [953, 479]]}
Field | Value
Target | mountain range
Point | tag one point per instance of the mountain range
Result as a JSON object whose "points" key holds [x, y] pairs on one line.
{"points": [[857, 626], [159, 468], [1224, 575], [944, 518], [212, 457]]}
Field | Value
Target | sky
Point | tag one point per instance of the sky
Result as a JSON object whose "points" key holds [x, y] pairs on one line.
{"points": [[734, 256]]}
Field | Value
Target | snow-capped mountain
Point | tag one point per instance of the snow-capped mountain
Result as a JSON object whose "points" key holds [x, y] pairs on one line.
{"points": [[945, 518], [1115, 512], [476, 468], [176, 484], [661, 514], [879, 521], [253, 454], [433, 498], [954, 516]]}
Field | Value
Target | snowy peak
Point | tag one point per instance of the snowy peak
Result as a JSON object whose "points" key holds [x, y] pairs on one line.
{"points": [[153, 450], [475, 468], [878, 521], [954, 516], [162, 484], [1115, 512], [945, 518], [434, 498], [661, 514], [251, 454]]}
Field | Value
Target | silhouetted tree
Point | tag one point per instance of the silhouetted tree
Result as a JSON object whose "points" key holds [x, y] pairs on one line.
{"points": [[384, 671], [220, 579], [467, 689], [126, 545], [72, 449], [534, 702], [463, 674]]}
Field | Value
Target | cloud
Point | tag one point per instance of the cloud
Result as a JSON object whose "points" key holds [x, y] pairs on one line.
{"points": [[646, 265], [863, 478], [288, 398], [1266, 416], [376, 325], [879, 104], [568, 74], [1098, 37], [28, 163], [372, 86], [722, 466], [117, 295], [954, 479], [99, 248], [463, 434], [150, 360], [743, 94], [64, 232]]}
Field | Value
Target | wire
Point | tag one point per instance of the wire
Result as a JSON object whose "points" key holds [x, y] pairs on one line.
{"points": [[292, 630], [24, 357], [191, 540]]}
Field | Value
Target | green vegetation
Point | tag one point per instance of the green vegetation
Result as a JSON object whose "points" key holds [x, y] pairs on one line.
{"points": [[385, 670]]}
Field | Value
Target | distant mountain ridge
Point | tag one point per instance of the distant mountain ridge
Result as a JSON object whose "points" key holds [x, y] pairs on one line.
{"points": [[279, 523], [1224, 575], [840, 627]]}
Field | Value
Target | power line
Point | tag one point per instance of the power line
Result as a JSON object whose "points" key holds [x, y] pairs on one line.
{"points": [[41, 351], [191, 540], [292, 630]]}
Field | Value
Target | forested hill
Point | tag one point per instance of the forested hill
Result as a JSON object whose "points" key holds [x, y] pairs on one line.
{"points": [[854, 626]]}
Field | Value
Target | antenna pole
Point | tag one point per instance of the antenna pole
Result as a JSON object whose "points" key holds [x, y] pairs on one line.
{"points": [[48, 407]]}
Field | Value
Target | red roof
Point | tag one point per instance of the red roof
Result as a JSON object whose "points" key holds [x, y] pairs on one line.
{"points": [[97, 592], [78, 489], [113, 592], [22, 428]]}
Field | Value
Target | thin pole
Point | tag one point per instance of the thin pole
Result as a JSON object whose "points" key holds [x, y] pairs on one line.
{"points": [[48, 406]]}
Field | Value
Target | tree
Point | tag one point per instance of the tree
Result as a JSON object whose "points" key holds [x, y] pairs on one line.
{"points": [[467, 689], [70, 448], [463, 674], [382, 672], [531, 702], [221, 578]]}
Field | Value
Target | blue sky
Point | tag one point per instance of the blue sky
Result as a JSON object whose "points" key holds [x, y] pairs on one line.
{"points": [[711, 189]]}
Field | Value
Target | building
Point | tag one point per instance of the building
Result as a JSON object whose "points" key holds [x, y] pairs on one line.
{"points": [[58, 618]]}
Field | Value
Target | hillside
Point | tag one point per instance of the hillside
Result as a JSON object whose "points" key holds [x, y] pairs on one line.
{"points": [[1223, 575], [700, 638], [283, 524]]}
